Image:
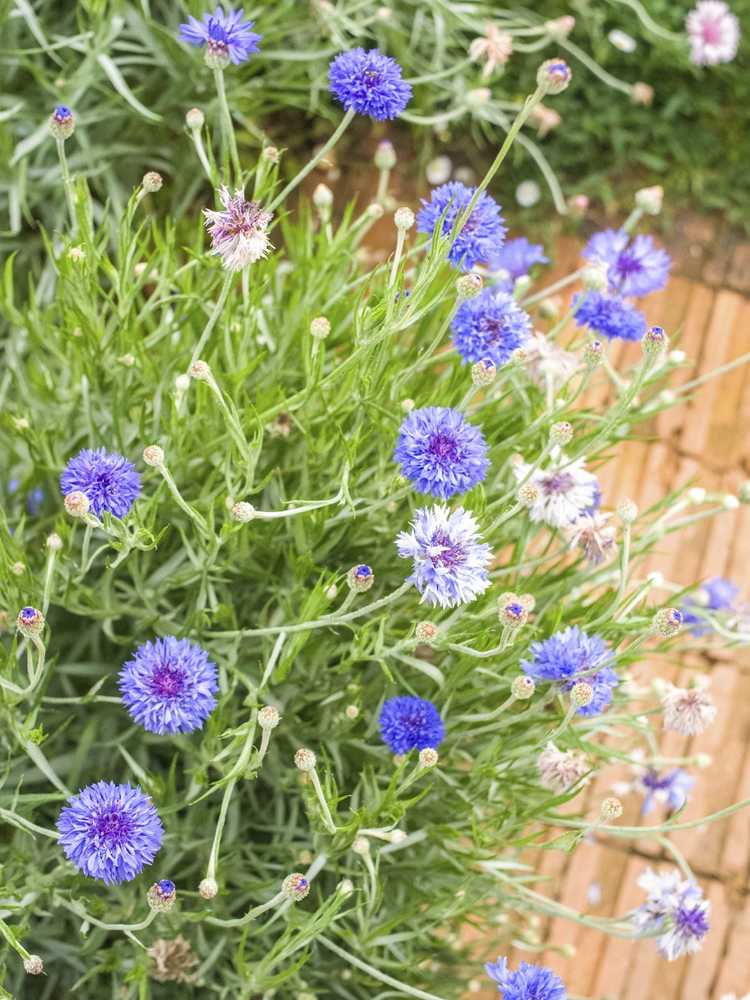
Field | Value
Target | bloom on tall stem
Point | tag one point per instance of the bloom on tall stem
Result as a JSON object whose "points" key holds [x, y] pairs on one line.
{"points": [[634, 266], [169, 686], [227, 37], [716, 594], [450, 560], [572, 655], [688, 711], [566, 490], [494, 47], [408, 723], [514, 260], [492, 325], [481, 235], [714, 33], [369, 83], [441, 452], [669, 788], [110, 832], [592, 533], [675, 910], [108, 481], [529, 982], [238, 233], [610, 316]]}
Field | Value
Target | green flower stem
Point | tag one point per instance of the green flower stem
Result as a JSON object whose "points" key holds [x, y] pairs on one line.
{"points": [[234, 426], [272, 661], [279, 899], [312, 164], [382, 193], [647, 831], [200, 150], [327, 818], [228, 138], [556, 286], [489, 716], [81, 912], [11, 939], [213, 318], [400, 240], [13, 819], [194, 516], [49, 573], [742, 359], [376, 973], [67, 185], [235, 774]]}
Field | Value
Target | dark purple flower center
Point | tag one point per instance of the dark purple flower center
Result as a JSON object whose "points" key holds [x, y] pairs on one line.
{"points": [[451, 554], [628, 263], [557, 483], [166, 887], [28, 613], [62, 113], [372, 77], [494, 327], [113, 826], [363, 571], [443, 447], [514, 610], [168, 681], [692, 921], [217, 33], [652, 780]]}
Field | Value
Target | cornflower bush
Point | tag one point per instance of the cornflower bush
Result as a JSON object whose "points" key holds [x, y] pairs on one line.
{"points": [[313, 615]]}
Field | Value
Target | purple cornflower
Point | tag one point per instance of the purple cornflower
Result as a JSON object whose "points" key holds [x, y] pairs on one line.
{"points": [[227, 37], [529, 982], [369, 83], [408, 723], [441, 452], [492, 325], [168, 686], [450, 560], [716, 594], [675, 910], [480, 237], [635, 266], [515, 259], [671, 788], [108, 481], [569, 656], [609, 315], [110, 832], [239, 232]]}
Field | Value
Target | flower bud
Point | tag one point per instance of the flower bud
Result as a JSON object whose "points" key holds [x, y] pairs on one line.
{"points": [[62, 122], [478, 97], [595, 276], [182, 382], [305, 759], [593, 353], [549, 308], [511, 612], [581, 694], [553, 76], [361, 846], [153, 455], [200, 371], [268, 717], [655, 341], [331, 592], [696, 494], [360, 578], [345, 887], [528, 494], [438, 171], [561, 433], [385, 155], [270, 154], [397, 836], [33, 965], [54, 542], [295, 887], [610, 809], [320, 328], [578, 205], [162, 895], [428, 757], [403, 219], [127, 360], [650, 199], [667, 622], [407, 405], [351, 712], [468, 286], [76, 503], [483, 373], [194, 118], [522, 687], [30, 622], [560, 27], [18, 568], [426, 631], [375, 211], [627, 511], [642, 93], [322, 197], [152, 182], [217, 54], [208, 888]]}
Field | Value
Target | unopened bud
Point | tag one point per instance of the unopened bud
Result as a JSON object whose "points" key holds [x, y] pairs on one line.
{"points": [[561, 433], [478, 97], [385, 155], [153, 455], [403, 219], [650, 199], [528, 494], [407, 405], [361, 846], [208, 888], [182, 382], [428, 757], [667, 622], [268, 717], [162, 895], [295, 887], [523, 687], [642, 93], [62, 122], [320, 327], [270, 154], [375, 211], [655, 340], [610, 809], [351, 711], [18, 568], [346, 887], [581, 694], [152, 182], [194, 118], [425, 631], [305, 759], [483, 372], [554, 75], [322, 197], [200, 371], [76, 503], [593, 353], [360, 578], [33, 965], [30, 622], [595, 276], [54, 542], [468, 286], [627, 511]]}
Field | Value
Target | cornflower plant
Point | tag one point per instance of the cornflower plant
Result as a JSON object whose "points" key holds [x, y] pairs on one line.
{"points": [[312, 612]]}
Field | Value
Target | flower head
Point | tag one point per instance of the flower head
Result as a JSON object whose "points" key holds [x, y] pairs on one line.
{"points": [[450, 561], [559, 770], [441, 452], [227, 37], [609, 315], [569, 654], [369, 83], [238, 233], [494, 47], [566, 490], [408, 723], [675, 910], [714, 33], [635, 266], [515, 259], [593, 533], [173, 960], [482, 234], [168, 686], [490, 326], [716, 594], [670, 788], [108, 481], [529, 982], [687, 711], [110, 832]]}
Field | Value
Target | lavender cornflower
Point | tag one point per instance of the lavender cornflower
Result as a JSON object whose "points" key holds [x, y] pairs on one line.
{"points": [[714, 33], [492, 325], [569, 654], [514, 260], [441, 452], [566, 490], [635, 266], [529, 982], [450, 561], [169, 686], [227, 37], [110, 832], [675, 910], [670, 788], [238, 233], [716, 594], [595, 536], [369, 83], [408, 723], [609, 315], [480, 237], [108, 481]]}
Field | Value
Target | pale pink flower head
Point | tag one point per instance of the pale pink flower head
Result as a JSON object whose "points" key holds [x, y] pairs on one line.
{"points": [[688, 711], [545, 119], [559, 770], [714, 33], [238, 233], [592, 533], [495, 47]]}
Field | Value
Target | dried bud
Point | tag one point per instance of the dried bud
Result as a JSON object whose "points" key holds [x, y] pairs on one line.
{"points": [[195, 118], [385, 155], [561, 433], [320, 328], [153, 455], [581, 694], [305, 759], [295, 887], [428, 757], [468, 286], [404, 219], [208, 888], [426, 631], [268, 717], [667, 622], [642, 93], [360, 578], [76, 503], [523, 687], [553, 76], [483, 372], [152, 182]]}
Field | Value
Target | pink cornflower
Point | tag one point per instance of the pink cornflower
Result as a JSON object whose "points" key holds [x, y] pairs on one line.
{"points": [[714, 33], [545, 119], [495, 47], [688, 711], [595, 536], [238, 234]]}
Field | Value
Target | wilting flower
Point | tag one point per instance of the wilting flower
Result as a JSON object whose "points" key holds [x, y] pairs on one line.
{"points": [[173, 960], [492, 325], [595, 536], [369, 83], [635, 266], [494, 47], [559, 770], [108, 481], [169, 685], [529, 982], [515, 259], [441, 452], [675, 910], [110, 832], [714, 33], [545, 119], [669, 788], [716, 594], [609, 315], [408, 723], [238, 233], [226, 35], [566, 490], [481, 235], [450, 560], [546, 362], [687, 711], [573, 655]]}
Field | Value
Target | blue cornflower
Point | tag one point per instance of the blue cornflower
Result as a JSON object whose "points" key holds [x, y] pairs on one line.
{"points": [[168, 686], [450, 560], [492, 325], [515, 259], [608, 315], [716, 594], [530, 982], [225, 34], [636, 267], [110, 832], [441, 452], [408, 723], [671, 788], [481, 236], [566, 655], [675, 910], [369, 83], [108, 481]]}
